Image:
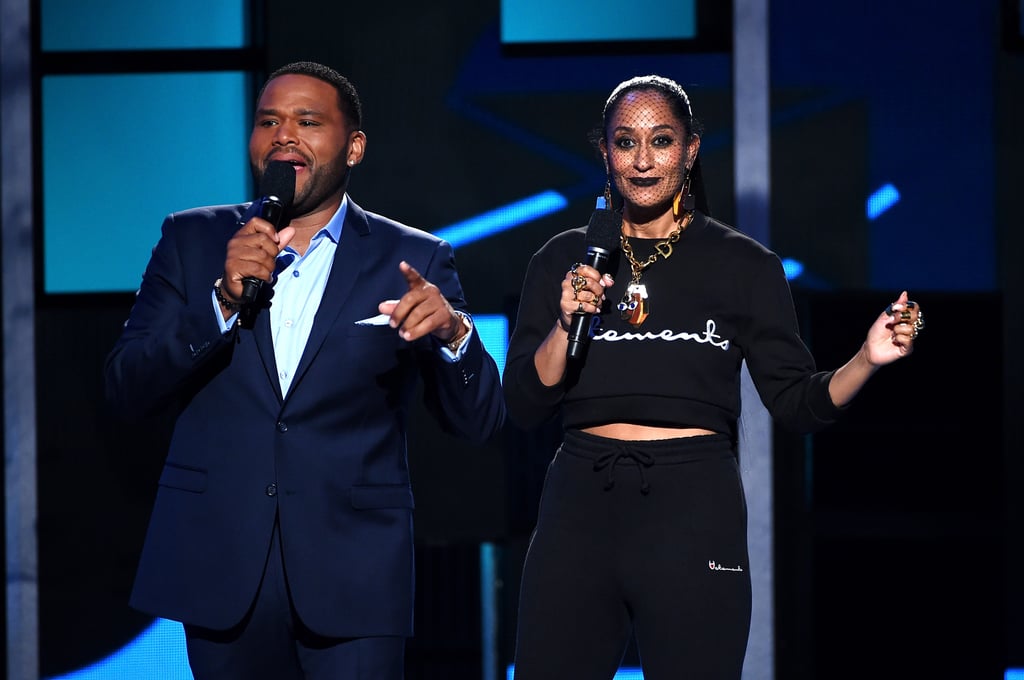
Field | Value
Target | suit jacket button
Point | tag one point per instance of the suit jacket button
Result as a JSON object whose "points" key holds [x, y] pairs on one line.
{"points": [[282, 426], [271, 490]]}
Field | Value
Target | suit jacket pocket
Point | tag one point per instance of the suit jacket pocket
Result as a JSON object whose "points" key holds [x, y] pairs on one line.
{"points": [[185, 478], [390, 496], [372, 332]]}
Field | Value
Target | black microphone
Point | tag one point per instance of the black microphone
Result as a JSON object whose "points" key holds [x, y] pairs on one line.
{"points": [[602, 239], [277, 189]]}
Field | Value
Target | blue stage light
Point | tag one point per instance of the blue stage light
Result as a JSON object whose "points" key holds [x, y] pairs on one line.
{"points": [[500, 219], [158, 652], [882, 200], [792, 268]]}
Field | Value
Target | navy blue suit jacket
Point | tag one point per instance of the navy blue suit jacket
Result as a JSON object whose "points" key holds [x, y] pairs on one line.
{"points": [[329, 459]]}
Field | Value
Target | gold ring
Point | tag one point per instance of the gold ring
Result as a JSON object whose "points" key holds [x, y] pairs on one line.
{"points": [[579, 283], [919, 323], [905, 315], [579, 308]]}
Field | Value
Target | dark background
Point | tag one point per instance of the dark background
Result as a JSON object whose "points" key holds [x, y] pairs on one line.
{"points": [[898, 531]]}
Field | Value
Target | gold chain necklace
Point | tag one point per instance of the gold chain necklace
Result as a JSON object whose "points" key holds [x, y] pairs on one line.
{"points": [[634, 306]]}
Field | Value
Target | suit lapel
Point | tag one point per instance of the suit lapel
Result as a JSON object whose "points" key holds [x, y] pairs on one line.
{"points": [[265, 345], [257, 317]]}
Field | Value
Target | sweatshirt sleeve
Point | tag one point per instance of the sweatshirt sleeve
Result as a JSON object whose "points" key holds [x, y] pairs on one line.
{"points": [[530, 402], [780, 364]]}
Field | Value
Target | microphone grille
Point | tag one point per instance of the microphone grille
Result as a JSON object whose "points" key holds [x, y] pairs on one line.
{"points": [[604, 229], [279, 180]]}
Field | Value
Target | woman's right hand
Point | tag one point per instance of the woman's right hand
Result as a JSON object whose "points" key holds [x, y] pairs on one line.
{"points": [[582, 291]]}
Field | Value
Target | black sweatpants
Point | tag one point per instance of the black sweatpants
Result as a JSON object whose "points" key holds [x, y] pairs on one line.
{"points": [[644, 537]]}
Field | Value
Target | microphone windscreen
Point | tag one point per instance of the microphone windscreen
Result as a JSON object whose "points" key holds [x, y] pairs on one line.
{"points": [[604, 229], [279, 180]]}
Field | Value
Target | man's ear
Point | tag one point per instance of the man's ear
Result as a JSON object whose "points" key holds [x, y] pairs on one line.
{"points": [[356, 147]]}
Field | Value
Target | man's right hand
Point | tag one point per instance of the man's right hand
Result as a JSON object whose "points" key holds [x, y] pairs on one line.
{"points": [[251, 253]]}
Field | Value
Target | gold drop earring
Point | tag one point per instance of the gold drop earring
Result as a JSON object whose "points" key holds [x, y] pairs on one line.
{"points": [[682, 204], [607, 186]]}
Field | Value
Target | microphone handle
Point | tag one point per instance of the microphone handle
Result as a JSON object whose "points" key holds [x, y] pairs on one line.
{"points": [[250, 289], [579, 327], [579, 333], [271, 210]]}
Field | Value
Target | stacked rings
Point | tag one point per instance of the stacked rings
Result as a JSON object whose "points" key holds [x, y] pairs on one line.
{"points": [[918, 324], [579, 283], [905, 316]]}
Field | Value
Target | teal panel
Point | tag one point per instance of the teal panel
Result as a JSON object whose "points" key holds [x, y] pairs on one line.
{"points": [[121, 152], [73, 25], [542, 21]]}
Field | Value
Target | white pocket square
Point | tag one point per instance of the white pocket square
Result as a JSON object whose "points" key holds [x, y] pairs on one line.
{"points": [[379, 320]]}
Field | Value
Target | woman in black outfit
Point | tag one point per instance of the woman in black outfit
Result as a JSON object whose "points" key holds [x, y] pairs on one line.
{"points": [[642, 522]]}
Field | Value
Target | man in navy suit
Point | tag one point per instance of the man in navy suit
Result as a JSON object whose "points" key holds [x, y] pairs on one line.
{"points": [[281, 535]]}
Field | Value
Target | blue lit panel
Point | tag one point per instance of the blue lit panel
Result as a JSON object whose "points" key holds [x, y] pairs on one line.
{"points": [[493, 330], [158, 652], [120, 152], [1014, 674], [500, 219], [540, 21], [73, 25], [622, 674], [883, 199], [489, 613], [629, 674]]}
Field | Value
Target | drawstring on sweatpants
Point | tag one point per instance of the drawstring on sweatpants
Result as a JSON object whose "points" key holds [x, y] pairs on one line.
{"points": [[609, 460]]}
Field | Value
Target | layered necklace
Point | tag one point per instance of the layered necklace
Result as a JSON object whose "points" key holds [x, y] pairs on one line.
{"points": [[635, 304]]}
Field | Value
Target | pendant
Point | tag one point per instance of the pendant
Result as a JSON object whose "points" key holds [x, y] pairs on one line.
{"points": [[634, 307]]}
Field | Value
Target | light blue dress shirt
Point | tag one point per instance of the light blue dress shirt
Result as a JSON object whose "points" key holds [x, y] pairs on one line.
{"points": [[298, 290]]}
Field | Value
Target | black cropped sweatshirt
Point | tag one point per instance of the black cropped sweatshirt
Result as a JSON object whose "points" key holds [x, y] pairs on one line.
{"points": [[719, 299]]}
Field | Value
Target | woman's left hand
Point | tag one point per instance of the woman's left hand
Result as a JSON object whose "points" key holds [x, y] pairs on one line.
{"points": [[892, 335]]}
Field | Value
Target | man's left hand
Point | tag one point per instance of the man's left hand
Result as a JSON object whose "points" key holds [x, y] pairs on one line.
{"points": [[423, 310]]}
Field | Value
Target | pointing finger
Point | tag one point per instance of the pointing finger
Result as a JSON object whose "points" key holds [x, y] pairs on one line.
{"points": [[412, 276]]}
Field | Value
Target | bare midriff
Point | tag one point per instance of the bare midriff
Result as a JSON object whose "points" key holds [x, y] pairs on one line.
{"points": [[634, 432]]}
